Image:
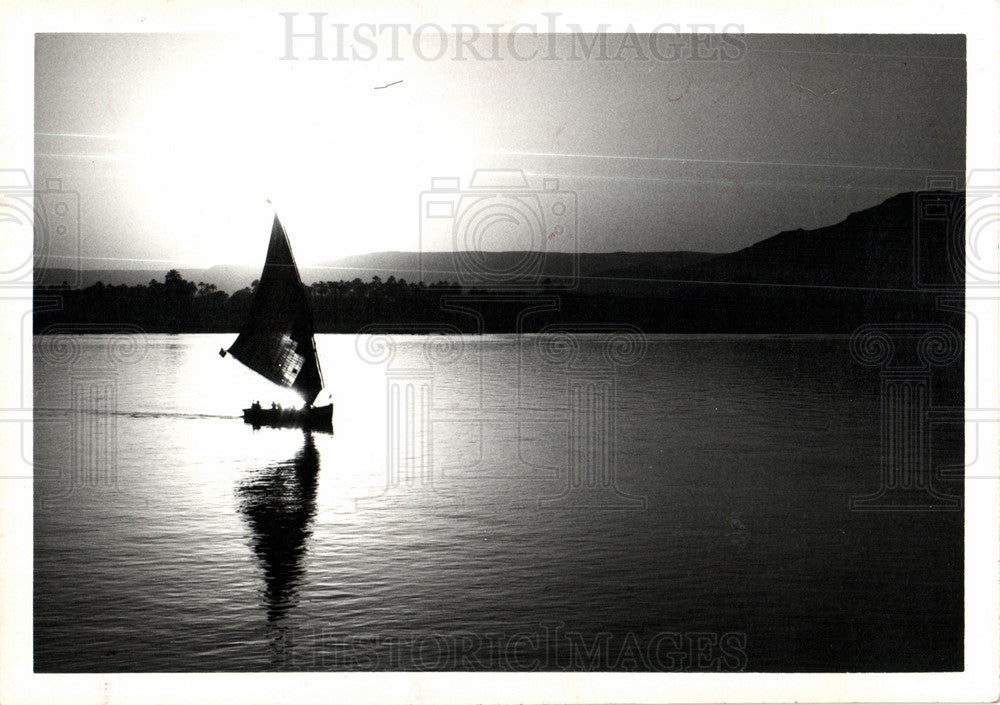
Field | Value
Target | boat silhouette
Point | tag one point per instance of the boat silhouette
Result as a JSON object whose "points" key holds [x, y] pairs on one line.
{"points": [[277, 341]]}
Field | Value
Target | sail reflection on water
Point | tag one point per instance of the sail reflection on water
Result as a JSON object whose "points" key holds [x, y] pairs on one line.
{"points": [[279, 504]]}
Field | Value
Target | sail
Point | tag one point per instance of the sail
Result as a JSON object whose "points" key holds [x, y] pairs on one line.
{"points": [[277, 339]]}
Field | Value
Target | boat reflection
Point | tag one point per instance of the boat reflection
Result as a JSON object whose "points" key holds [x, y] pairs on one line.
{"points": [[279, 504]]}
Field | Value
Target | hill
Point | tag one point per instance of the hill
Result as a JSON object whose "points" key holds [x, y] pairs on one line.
{"points": [[901, 244], [412, 266], [898, 244], [874, 267]]}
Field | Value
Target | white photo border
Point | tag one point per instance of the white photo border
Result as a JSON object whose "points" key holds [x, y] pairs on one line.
{"points": [[21, 20]]}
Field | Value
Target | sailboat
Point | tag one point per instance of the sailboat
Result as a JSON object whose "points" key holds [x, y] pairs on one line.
{"points": [[277, 341]]}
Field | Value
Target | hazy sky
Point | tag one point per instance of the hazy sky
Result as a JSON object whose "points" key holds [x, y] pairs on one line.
{"points": [[174, 141]]}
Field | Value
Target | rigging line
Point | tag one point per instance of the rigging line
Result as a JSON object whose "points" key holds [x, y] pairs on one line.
{"points": [[934, 57], [112, 157], [80, 135], [626, 157]]}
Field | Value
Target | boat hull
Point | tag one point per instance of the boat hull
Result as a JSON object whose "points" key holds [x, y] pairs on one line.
{"points": [[311, 418]]}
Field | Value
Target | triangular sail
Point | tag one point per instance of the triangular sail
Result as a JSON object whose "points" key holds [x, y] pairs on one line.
{"points": [[277, 339]]}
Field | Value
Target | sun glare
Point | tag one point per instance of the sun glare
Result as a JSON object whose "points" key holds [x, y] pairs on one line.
{"points": [[344, 167]]}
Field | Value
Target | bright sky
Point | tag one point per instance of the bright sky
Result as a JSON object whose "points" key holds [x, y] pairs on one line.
{"points": [[174, 142]]}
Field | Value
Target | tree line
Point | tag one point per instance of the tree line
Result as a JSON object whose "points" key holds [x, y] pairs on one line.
{"points": [[176, 305]]}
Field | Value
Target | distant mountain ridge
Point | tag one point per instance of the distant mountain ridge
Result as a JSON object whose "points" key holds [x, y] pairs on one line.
{"points": [[911, 241], [902, 243], [430, 267], [906, 242]]}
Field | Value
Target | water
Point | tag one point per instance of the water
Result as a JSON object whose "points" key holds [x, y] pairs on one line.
{"points": [[169, 536]]}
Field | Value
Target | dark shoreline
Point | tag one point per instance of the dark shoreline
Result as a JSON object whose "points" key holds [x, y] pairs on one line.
{"points": [[351, 307]]}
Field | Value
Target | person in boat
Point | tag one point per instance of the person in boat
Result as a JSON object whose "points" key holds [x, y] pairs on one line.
{"points": [[255, 406], [274, 405]]}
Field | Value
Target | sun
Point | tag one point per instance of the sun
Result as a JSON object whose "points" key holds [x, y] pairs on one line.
{"points": [[343, 164], [204, 159]]}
